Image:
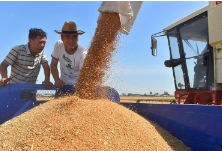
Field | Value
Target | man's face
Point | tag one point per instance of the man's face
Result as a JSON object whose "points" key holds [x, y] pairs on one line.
{"points": [[70, 41], [37, 45]]}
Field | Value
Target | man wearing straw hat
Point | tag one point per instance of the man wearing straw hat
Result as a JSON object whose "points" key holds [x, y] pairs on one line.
{"points": [[70, 54]]}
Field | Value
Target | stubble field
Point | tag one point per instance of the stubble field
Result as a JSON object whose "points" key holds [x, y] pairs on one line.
{"points": [[133, 99]]}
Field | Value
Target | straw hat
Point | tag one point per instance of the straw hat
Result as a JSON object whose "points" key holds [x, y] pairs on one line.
{"points": [[70, 28]]}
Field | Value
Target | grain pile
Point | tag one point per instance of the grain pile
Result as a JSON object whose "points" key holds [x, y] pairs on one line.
{"points": [[99, 55], [75, 124]]}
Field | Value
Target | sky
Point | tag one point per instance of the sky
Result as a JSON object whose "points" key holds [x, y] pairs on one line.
{"points": [[134, 70]]}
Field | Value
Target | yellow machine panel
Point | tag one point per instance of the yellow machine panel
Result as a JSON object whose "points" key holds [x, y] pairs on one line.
{"points": [[215, 38]]}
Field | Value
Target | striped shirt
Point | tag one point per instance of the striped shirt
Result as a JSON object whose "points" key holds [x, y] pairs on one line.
{"points": [[24, 66]]}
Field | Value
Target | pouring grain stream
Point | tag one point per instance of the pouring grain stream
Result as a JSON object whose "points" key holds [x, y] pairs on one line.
{"points": [[99, 54]]}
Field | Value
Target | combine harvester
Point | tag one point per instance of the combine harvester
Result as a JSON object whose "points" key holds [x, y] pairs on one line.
{"points": [[197, 75], [195, 44]]}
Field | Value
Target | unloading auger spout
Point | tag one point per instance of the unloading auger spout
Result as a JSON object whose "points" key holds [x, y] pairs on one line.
{"points": [[127, 10]]}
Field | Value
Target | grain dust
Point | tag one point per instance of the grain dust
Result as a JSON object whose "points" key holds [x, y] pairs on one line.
{"points": [[99, 55]]}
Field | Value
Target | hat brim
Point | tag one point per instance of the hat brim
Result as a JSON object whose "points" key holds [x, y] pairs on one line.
{"points": [[79, 32]]}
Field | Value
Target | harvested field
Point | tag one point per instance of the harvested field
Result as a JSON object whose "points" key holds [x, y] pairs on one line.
{"points": [[74, 124], [133, 99]]}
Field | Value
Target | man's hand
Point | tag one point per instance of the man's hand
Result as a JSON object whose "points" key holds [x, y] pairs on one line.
{"points": [[59, 83], [2, 82], [47, 84]]}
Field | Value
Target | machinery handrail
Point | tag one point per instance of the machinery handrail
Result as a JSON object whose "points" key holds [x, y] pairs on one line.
{"points": [[182, 96], [195, 98], [16, 89]]}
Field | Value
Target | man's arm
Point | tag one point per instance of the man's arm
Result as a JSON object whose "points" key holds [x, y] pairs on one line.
{"points": [[46, 71], [55, 73], [4, 67], [47, 82], [4, 74]]}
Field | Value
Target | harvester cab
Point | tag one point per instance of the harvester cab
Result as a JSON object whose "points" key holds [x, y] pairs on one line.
{"points": [[192, 56]]}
